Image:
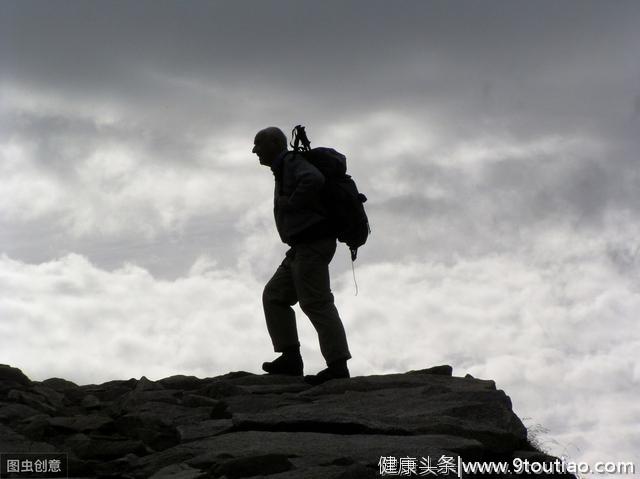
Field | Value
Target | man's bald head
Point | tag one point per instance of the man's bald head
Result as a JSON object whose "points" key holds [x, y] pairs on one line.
{"points": [[275, 134], [268, 144]]}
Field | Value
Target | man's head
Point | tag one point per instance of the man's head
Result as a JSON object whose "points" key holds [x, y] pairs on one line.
{"points": [[268, 144]]}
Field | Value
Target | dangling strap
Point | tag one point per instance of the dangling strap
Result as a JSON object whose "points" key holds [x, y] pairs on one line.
{"points": [[354, 276], [354, 253]]}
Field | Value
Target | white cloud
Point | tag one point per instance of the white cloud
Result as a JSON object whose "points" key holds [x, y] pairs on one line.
{"points": [[26, 195], [117, 190], [47, 101], [70, 319]]}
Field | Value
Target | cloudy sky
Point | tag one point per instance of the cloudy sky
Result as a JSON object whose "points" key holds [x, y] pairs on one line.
{"points": [[497, 142]]}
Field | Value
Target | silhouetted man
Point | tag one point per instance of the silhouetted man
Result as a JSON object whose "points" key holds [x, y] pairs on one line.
{"points": [[303, 275]]}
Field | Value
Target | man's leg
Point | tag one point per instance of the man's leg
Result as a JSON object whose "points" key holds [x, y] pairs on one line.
{"points": [[310, 269], [277, 298]]}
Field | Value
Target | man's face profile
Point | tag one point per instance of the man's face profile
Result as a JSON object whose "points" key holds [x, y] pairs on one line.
{"points": [[265, 147]]}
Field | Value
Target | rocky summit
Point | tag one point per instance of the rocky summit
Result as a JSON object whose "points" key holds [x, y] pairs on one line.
{"points": [[241, 425]]}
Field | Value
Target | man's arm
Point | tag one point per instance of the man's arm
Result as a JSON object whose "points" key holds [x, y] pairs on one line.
{"points": [[309, 181]]}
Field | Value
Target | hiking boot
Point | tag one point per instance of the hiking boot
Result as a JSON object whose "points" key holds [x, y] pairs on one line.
{"points": [[339, 371], [287, 364]]}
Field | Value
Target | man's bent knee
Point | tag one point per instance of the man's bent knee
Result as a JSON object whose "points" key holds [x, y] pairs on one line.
{"points": [[271, 294], [267, 293], [311, 306]]}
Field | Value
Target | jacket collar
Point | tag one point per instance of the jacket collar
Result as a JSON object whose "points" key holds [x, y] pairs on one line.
{"points": [[276, 166]]}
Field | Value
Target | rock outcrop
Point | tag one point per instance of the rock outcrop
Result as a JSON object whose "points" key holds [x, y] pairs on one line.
{"points": [[242, 425]]}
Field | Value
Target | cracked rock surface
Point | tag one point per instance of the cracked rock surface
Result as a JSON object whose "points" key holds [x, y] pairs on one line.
{"points": [[243, 425]]}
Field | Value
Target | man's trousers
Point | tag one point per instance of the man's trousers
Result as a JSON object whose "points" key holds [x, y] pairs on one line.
{"points": [[303, 276]]}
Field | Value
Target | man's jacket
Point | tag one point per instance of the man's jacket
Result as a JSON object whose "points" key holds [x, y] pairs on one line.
{"points": [[304, 216]]}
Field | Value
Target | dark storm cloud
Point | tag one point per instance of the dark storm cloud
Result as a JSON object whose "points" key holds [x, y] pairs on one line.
{"points": [[409, 52], [526, 190], [474, 67], [60, 141]]}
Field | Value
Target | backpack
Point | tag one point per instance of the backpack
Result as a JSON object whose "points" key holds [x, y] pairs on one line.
{"points": [[339, 194]]}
